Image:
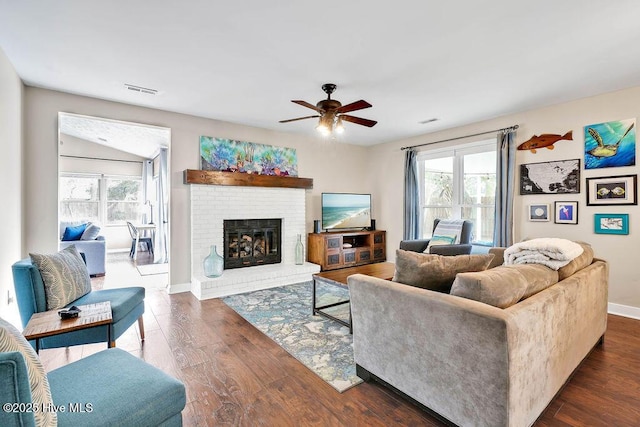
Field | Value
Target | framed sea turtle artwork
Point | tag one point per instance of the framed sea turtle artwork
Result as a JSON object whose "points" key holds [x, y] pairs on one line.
{"points": [[610, 144]]}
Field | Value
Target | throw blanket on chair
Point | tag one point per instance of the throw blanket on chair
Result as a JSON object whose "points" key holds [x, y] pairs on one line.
{"points": [[449, 227], [552, 252]]}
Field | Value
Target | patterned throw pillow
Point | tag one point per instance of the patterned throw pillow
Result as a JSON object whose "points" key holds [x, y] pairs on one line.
{"points": [[65, 276], [12, 340], [440, 240]]}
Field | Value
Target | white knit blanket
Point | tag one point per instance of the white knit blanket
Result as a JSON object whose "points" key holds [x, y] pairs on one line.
{"points": [[552, 252]]}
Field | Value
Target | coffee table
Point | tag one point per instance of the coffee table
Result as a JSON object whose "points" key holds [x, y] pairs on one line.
{"points": [[381, 270], [48, 323]]}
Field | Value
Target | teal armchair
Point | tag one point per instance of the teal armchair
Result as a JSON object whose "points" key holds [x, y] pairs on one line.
{"points": [[109, 388], [127, 306]]}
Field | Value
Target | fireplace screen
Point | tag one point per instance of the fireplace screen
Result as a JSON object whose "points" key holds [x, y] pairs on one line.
{"points": [[249, 242]]}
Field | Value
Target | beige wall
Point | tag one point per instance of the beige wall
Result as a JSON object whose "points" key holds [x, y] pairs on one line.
{"points": [[95, 156], [333, 166], [620, 251], [11, 181]]}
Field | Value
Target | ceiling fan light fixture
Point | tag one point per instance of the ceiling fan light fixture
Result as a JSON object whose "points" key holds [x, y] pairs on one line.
{"points": [[325, 125], [339, 128]]}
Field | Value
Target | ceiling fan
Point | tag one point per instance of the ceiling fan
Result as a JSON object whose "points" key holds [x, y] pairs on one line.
{"points": [[331, 112]]}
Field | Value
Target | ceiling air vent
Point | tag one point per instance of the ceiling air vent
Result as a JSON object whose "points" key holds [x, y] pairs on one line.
{"points": [[424, 122], [141, 89]]}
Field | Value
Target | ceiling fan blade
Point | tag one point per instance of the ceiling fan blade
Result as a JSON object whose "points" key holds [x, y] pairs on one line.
{"points": [[306, 104], [358, 105], [358, 120], [299, 118]]}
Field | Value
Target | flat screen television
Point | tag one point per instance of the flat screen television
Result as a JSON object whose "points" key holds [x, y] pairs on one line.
{"points": [[346, 210]]}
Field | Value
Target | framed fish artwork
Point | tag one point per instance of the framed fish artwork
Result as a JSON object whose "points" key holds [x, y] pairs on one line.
{"points": [[612, 190], [610, 144], [545, 140]]}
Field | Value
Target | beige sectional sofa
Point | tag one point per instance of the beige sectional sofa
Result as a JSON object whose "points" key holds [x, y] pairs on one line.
{"points": [[476, 364]]}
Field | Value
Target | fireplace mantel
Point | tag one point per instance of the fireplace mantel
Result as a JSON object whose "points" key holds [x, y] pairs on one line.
{"points": [[193, 176]]}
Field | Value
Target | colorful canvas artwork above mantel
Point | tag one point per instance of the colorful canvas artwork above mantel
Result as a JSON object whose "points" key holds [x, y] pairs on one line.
{"points": [[610, 144], [229, 155]]}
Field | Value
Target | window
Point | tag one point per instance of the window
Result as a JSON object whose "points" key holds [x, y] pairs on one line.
{"points": [[123, 200], [106, 199], [459, 182], [80, 197]]}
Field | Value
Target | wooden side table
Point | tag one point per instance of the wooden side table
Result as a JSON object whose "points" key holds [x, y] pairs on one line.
{"points": [[48, 323]]}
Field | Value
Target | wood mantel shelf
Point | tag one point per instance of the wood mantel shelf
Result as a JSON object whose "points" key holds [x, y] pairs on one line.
{"points": [[193, 176]]}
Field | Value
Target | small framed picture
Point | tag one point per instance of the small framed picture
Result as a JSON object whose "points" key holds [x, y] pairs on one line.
{"points": [[612, 190], [539, 212], [611, 223], [566, 213]]}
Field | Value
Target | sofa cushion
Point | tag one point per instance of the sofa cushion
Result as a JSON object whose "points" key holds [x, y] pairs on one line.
{"points": [[65, 276], [12, 340], [435, 272], [123, 300], [73, 232], [583, 260], [503, 286], [498, 258], [91, 232]]}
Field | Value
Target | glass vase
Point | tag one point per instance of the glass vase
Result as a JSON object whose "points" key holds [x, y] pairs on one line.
{"points": [[213, 264], [299, 251]]}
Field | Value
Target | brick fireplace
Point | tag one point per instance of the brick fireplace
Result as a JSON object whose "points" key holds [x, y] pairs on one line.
{"points": [[211, 205]]}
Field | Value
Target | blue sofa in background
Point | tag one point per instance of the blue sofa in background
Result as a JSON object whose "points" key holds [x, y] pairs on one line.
{"points": [[95, 251]]}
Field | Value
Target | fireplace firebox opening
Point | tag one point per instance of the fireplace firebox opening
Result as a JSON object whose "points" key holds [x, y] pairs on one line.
{"points": [[250, 242]]}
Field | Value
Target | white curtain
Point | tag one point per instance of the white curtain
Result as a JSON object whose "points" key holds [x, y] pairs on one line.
{"points": [[161, 220], [147, 194]]}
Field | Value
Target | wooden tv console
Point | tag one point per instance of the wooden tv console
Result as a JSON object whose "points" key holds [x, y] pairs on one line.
{"points": [[334, 250]]}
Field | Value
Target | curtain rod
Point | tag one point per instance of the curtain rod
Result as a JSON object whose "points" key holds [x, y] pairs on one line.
{"points": [[100, 158], [510, 128]]}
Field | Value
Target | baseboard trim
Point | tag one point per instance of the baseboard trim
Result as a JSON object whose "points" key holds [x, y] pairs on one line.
{"points": [[178, 288], [624, 310]]}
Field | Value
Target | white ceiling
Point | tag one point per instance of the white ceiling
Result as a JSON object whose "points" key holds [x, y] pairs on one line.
{"points": [[141, 140], [243, 61]]}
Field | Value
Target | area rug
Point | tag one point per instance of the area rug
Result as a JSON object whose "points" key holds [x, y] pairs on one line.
{"points": [[150, 269], [284, 315]]}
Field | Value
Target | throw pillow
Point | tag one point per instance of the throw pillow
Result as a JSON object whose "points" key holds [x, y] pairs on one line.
{"points": [[504, 286], [65, 276], [440, 240], [12, 340], [73, 233], [91, 232], [435, 272]]}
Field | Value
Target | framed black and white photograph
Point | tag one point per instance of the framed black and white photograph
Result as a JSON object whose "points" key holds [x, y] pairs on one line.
{"points": [[611, 223], [539, 212], [566, 212], [612, 190], [560, 177]]}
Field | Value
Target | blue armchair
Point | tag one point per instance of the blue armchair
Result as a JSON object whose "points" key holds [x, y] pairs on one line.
{"points": [[462, 248], [109, 388], [127, 306]]}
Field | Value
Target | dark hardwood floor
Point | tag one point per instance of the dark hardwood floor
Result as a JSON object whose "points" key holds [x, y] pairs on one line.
{"points": [[236, 376]]}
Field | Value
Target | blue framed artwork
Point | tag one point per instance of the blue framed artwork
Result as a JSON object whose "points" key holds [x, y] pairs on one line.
{"points": [[610, 145], [611, 223], [229, 155]]}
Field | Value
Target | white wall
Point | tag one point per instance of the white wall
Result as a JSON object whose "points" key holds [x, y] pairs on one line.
{"points": [[11, 180], [333, 166], [620, 251]]}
